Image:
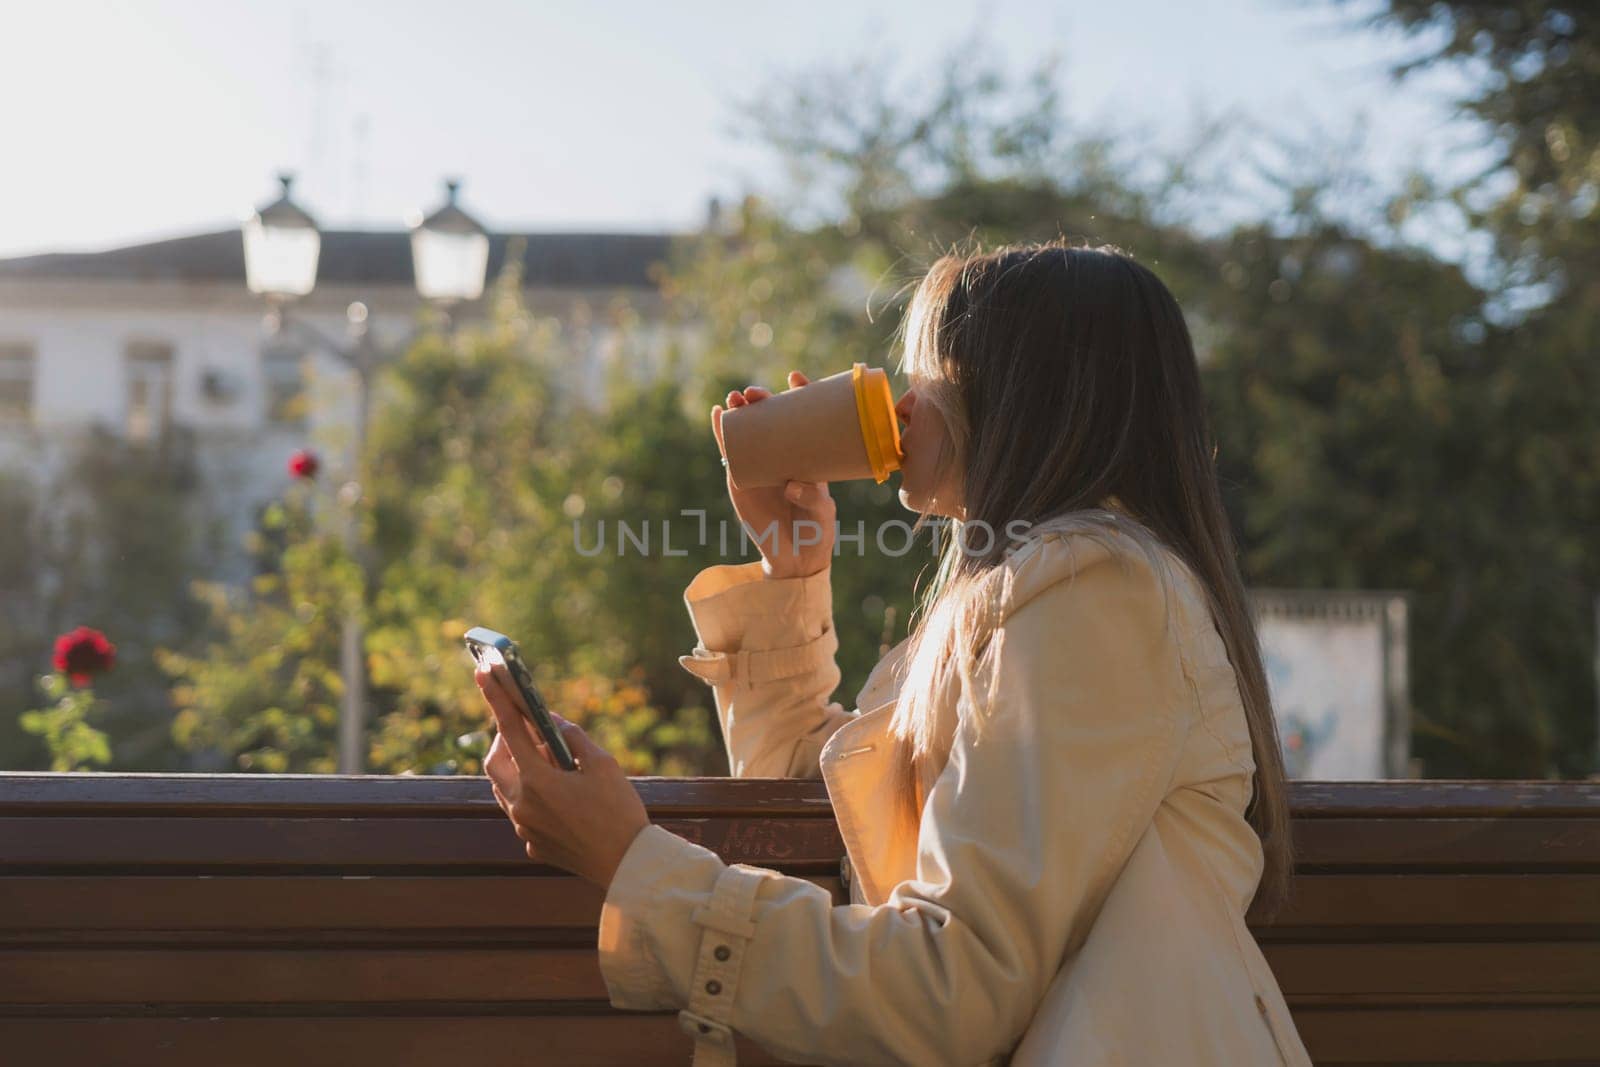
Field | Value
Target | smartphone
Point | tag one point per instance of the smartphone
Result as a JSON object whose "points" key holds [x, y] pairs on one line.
{"points": [[488, 646]]}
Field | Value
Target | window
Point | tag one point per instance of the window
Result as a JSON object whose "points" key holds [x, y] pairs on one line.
{"points": [[149, 390], [285, 385], [16, 382]]}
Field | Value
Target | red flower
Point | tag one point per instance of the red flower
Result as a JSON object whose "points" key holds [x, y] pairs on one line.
{"points": [[304, 464], [82, 653]]}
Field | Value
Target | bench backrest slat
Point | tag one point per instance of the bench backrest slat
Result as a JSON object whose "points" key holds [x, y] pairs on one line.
{"points": [[236, 919]]}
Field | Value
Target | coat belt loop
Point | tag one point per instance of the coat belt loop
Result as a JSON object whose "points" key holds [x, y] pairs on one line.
{"points": [[726, 928], [710, 667]]}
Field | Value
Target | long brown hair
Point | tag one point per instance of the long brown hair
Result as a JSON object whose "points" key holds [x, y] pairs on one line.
{"points": [[1068, 381]]}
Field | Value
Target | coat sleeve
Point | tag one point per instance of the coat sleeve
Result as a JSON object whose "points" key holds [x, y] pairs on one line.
{"points": [[1022, 835], [767, 649]]}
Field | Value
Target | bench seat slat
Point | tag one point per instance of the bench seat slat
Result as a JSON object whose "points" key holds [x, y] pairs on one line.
{"points": [[193, 919]]}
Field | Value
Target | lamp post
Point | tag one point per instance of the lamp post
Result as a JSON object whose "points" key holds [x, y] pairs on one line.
{"points": [[450, 259], [281, 247], [449, 252]]}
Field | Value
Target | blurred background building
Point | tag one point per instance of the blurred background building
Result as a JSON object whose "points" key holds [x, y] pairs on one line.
{"points": [[164, 342]]}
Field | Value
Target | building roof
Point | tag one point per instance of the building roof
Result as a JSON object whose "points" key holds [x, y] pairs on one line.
{"points": [[360, 257]]}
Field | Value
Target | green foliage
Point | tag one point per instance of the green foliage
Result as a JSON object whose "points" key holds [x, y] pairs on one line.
{"points": [[73, 743], [1514, 568], [1372, 447], [112, 543], [481, 453], [265, 696], [1534, 69], [489, 463]]}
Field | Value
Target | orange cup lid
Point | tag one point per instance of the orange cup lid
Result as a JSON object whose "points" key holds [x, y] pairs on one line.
{"points": [[880, 430]]}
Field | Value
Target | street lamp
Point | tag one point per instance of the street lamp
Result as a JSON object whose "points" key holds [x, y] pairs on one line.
{"points": [[281, 244], [450, 259], [449, 252]]}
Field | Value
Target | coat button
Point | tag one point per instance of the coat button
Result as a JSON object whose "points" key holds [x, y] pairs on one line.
{"points": [[844, 871], [722, 952], [713, 987]]}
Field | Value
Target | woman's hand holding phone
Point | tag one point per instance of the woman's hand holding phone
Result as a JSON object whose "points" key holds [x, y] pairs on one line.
{"points": [[582, 821], [802, 511]]}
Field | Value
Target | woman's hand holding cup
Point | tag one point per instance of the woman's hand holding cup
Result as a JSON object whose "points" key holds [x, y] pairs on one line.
{"points": [[792, 524]]}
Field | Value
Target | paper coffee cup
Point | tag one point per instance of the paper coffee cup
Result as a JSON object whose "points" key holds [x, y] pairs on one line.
{"points": [[837, 428]]}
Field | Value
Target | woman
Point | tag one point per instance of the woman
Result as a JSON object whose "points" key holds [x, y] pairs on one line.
{"points": [[1059, 795]]}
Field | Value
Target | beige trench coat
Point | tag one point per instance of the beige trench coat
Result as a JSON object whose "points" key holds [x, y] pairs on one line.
{"points": [[1076, 889]]}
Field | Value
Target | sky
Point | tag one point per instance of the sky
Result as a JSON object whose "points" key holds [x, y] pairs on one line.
{"points": [[131, 121]]}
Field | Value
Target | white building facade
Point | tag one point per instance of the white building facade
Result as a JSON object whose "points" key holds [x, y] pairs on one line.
{"points": [[165, 340]]}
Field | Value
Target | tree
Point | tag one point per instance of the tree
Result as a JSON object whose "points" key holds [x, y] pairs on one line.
{"points": [[1365, 443], [110, 540], [1535, 77], [479, 449], [1377, 427], [263, 695], [1535, 65]]}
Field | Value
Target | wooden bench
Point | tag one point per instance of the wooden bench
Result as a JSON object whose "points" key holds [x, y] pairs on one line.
{"points": [[232, 920]]}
